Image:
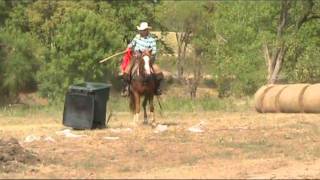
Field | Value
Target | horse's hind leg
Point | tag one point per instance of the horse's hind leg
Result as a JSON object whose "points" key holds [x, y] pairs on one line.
{"points": [[144, 104]]}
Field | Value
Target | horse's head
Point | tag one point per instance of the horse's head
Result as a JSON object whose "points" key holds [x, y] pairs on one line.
{"points": [[145, 63]]}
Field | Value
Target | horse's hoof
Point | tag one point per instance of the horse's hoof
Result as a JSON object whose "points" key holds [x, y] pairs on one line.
{"points": [[124, 94], [133, 124], [152, 117], [153, 124]]}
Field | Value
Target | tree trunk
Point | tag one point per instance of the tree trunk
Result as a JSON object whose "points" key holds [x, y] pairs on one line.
{"points": [[183, 40], [179, 60], [274, 63], [275, 57], [195, 81]]}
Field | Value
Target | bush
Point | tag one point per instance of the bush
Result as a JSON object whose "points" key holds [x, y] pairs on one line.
{"points": [[20, 57], [80, 41]]}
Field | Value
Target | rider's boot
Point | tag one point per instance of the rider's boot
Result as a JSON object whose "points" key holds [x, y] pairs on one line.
{"points": [[125, 85], [159, 79]]}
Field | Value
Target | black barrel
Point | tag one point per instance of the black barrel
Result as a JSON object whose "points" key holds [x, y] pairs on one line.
{"points": [[85, 105]]}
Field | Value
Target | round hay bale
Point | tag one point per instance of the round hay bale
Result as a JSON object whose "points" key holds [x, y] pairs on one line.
{"points": [[311, 99], [270, 99], [290, 99], [259, 95]]}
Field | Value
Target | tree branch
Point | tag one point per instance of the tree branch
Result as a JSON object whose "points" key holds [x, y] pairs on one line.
{"points": [[283, 17], [307, 10], [314, 17], [267, 55], [278, 63]]}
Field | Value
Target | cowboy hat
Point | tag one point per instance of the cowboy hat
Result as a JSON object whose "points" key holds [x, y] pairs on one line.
{"points": [[143, 26]]}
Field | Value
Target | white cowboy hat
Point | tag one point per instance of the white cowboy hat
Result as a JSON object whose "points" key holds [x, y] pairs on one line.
{"points": [[143, 26]]}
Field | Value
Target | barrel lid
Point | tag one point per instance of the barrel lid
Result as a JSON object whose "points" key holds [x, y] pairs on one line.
{"points": [[90, 86]]}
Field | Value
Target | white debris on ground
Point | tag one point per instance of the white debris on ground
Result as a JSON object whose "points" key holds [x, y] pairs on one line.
{"points": [[49, 139], [198, 128], [32, 138], [119, 130], [160, 128], [111, 138], [69, 134]]}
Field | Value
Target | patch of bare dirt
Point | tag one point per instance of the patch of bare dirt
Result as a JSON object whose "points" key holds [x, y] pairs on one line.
{"points": [[232, 145], [13, 156]]}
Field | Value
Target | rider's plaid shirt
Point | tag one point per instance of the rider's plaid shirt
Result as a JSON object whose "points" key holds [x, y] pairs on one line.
{"points": [[143, 43]]}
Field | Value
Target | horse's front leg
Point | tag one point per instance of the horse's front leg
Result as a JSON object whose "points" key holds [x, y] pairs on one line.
{"points": [[152, 115], [144, 104], [137, 107]]}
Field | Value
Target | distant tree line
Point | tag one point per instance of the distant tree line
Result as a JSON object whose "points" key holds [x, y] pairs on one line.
{"points": [[51, 44]]}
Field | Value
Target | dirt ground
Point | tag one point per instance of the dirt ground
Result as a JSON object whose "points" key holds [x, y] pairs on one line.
{"points": [[12, 155], [231, 145]]}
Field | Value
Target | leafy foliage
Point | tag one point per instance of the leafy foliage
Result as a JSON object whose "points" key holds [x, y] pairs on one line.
{"points": [[54, 44], [236, 66], [233, 39], [21, 56], [80, 41]]}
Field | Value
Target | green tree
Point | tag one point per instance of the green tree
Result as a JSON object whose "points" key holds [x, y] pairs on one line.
{"points": [[21, 55], [130, 13], [181, 17], [6, 6], [280, 45], [300, 64], [79, 42], [229, 40], [250, 43]]}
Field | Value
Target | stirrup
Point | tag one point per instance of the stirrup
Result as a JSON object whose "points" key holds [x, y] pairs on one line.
{"points": [[158, 92], [125, 85], [125, 93]]}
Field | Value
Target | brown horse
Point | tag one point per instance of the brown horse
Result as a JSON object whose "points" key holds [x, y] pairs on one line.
{"points": [[142, 84]]}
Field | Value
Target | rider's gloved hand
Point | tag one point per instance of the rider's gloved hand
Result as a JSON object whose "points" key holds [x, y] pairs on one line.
{"points": [[128, 49]]}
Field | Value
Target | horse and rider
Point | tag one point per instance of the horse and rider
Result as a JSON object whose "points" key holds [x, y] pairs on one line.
{"points": [[141, 43], [141, 76]]}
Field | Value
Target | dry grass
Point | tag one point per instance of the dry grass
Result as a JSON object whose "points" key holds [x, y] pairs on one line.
{"points": [[233, 145]]}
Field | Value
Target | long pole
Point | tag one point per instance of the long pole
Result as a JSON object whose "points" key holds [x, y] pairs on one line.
{"points": [[117, 54]]}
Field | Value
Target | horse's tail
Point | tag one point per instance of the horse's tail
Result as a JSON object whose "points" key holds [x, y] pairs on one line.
{"points": [[131, 102]]}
